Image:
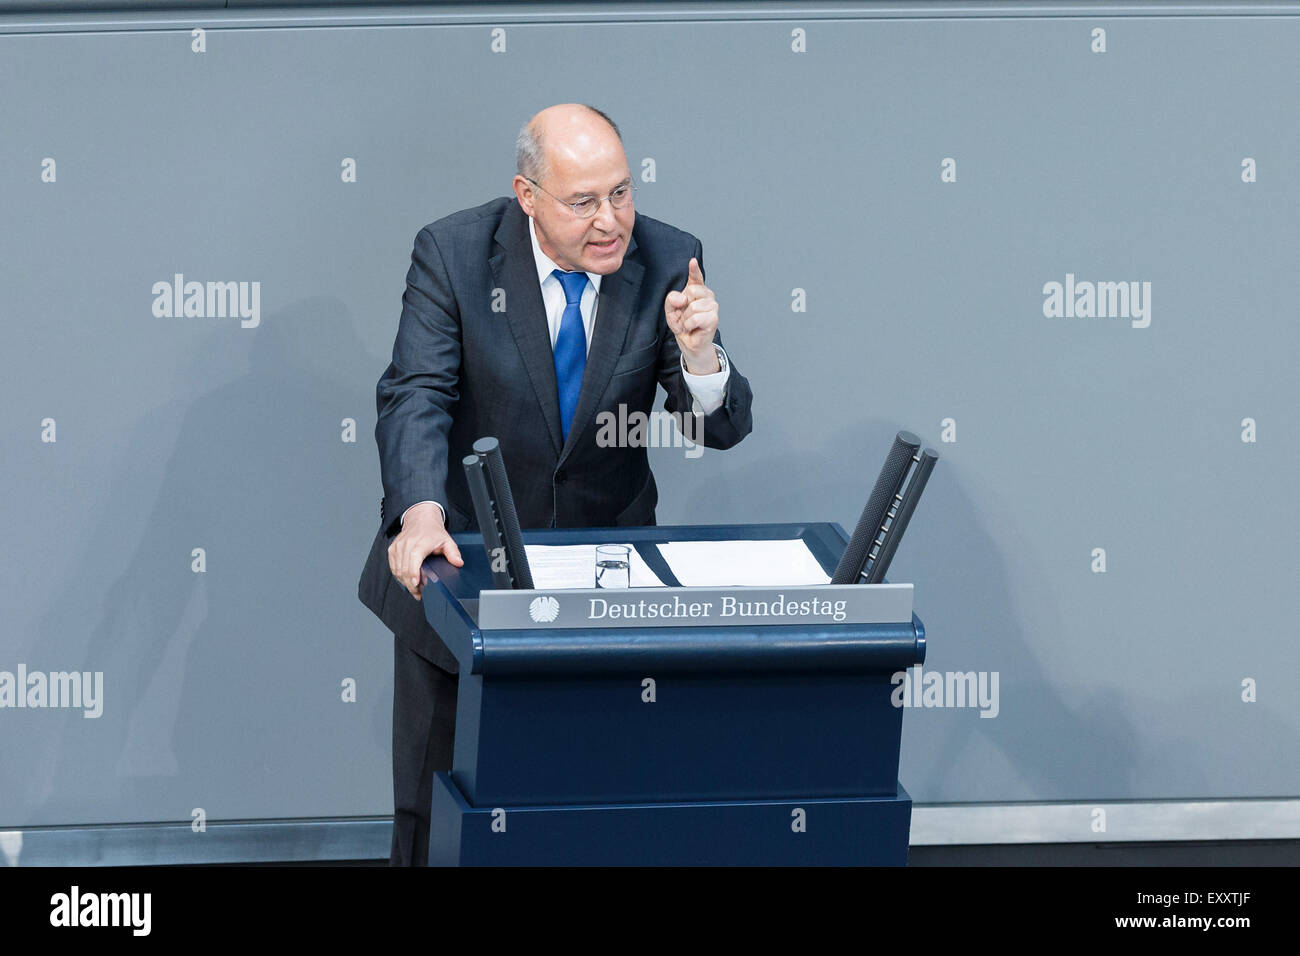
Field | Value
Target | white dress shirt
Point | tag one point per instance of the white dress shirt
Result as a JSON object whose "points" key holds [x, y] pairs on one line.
{"points": [[707, 391]]}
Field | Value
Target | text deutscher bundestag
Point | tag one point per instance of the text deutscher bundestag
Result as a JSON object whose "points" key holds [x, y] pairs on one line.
{"points": [[728, 607]]}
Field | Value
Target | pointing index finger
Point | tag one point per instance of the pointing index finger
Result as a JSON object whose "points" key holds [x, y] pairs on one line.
{"points": [[695, 287]]}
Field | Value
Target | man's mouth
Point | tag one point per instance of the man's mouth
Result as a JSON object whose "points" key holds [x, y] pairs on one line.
{"points": [[605, 247]]}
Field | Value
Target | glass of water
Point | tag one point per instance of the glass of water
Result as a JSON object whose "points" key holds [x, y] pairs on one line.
{"points": [[613, 565]]}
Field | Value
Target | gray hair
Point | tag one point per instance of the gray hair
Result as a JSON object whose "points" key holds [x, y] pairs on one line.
{"points": [[530, 151]]}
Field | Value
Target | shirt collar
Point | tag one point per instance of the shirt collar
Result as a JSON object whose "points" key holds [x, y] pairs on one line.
{"points": [[545, 265]]}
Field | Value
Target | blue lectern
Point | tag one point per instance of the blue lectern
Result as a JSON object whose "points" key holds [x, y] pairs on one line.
{"points": [[721, 726]]}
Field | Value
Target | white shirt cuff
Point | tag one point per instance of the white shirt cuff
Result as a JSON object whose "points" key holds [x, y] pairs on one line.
{"points": [[440, 508], [708, 391]]}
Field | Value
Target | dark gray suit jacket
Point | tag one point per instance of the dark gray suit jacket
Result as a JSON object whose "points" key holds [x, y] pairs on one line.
{"points": [[463, 370]]}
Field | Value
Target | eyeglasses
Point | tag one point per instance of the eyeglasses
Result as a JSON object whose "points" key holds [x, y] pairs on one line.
{"points": [[586, 208]]}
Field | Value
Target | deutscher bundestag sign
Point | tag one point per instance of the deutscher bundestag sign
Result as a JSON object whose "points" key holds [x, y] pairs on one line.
{"points": [[696, 607]]}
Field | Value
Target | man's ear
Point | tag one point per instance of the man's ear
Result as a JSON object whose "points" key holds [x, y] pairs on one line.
{"points": [[524, 194]]}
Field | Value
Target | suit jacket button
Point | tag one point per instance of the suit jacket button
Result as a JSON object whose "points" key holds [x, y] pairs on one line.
{"points": [[560, 477]]}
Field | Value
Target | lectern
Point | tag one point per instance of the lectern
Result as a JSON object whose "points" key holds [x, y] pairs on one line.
{"points": [[672, 725]]}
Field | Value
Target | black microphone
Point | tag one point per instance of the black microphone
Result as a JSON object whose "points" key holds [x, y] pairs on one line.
{"points": [[489, 450], [878, 510], [894, 534], [488, 524]]}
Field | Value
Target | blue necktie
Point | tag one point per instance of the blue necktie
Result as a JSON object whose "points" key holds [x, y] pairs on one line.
{"points": [[570, 347]]}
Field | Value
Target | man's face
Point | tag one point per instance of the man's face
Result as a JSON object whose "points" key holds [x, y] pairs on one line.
{"points": [[575, 244]]}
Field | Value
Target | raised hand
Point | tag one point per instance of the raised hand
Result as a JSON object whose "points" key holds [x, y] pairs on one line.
{"points": [[692, 316]]}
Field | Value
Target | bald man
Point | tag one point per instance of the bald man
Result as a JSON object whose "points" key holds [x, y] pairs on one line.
{"points": [[523, 319]]}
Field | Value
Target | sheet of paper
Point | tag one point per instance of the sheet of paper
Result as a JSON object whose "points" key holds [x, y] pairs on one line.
{"points": [[557, 566], [720, 564]]}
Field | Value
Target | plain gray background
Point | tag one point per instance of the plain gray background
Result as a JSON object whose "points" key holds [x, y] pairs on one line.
{"points": [[818, 171]]}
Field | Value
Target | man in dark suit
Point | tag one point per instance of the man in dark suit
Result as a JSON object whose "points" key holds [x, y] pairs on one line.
{"points": [[523, 319]]}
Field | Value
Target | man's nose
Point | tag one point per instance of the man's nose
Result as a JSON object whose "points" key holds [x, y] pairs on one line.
{"points": [[605, 218]]}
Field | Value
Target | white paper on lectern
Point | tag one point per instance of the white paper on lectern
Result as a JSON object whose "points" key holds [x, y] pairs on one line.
{"points": [[720, 564], [559, 566]]}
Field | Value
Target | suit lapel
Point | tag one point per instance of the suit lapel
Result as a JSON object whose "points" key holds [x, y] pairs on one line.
{"points": [[515, 270]]}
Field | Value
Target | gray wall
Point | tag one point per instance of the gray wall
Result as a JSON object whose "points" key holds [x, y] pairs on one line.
{"points": [[818, 171]]}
